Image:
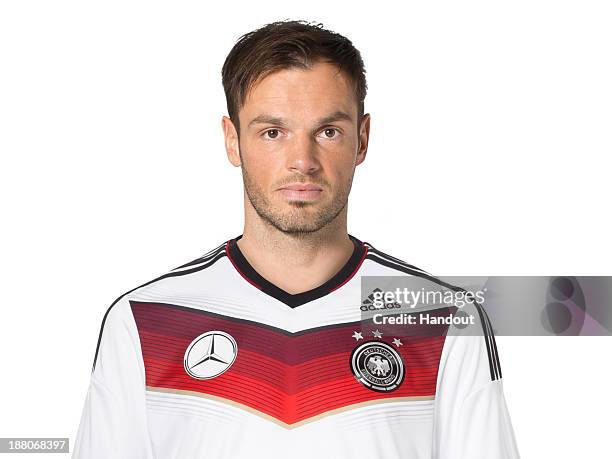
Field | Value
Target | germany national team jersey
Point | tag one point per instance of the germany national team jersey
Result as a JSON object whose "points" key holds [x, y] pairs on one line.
{"points": [[213, 361]]}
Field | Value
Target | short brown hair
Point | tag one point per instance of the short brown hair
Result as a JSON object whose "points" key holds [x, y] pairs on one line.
{"points": [[287, 44]]}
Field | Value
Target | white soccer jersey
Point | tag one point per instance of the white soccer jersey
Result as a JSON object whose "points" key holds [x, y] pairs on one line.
{"points": [[213, 361]]}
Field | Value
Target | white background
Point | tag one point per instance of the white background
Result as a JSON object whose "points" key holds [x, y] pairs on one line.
{"points": [[489, 155]]}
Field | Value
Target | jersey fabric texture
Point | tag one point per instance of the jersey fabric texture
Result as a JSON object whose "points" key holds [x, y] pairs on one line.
{"points": [[213, 361]]}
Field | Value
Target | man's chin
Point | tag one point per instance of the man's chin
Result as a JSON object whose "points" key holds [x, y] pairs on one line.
{"points": [[292, 222]]}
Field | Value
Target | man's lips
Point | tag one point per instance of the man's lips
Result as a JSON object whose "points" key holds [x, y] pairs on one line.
{"points": [[301, 192], [302, 187]]}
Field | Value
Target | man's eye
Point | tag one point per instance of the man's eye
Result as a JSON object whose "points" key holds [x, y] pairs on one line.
{"points": [[272, 133], [330, 133]]}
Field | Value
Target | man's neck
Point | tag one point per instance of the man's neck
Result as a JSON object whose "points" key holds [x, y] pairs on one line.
{"points": [[295, 263]]}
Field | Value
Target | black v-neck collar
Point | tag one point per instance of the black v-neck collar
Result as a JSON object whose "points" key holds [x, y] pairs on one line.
{"points": [[253, 277]]}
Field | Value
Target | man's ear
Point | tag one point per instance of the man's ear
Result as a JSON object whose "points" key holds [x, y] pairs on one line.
{"points": [[232, 144], [364, 136]]}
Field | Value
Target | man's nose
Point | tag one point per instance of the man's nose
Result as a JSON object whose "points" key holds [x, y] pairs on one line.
{"points": [[302, 155]]}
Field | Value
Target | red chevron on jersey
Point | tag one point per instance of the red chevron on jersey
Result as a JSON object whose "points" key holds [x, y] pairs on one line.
{"points": [[286, 377]]}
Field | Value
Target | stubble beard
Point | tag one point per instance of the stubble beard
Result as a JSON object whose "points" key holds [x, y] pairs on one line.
{"points": [[296, 220]]}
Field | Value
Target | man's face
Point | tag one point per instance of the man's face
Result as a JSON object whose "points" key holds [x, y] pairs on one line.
{"points": [[299, 145]]}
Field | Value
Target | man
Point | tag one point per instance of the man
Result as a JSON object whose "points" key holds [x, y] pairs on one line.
{"points": [[258, 348]]}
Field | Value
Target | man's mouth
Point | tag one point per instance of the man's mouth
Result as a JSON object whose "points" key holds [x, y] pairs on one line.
{"points": [[301, 191]]}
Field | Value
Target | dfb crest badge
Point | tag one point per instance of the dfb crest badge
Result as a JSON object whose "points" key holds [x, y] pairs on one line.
{"points": [[377, 366]]}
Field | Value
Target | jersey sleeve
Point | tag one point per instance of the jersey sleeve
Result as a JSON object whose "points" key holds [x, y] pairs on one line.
{"points": [[471, 419], [114, 422]]}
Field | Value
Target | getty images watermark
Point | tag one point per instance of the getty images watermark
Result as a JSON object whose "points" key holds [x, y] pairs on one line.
{"points": [[408, 298], [507, 305]]}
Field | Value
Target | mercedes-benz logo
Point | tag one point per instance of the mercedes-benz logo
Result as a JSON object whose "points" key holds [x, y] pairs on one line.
{"points": [[210, 354]]}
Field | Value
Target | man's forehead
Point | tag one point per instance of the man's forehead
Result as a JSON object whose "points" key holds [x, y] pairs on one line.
{"points": [[322, 89]]}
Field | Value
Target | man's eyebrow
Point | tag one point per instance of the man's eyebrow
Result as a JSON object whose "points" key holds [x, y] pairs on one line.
{"points": [[336, 116], [269, 119]]}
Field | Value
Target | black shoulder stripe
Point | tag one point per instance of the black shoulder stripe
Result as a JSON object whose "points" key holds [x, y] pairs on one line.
{"points": [[494, 365], [392, 258], [394, 265], [484, 317], [489, 341], [499, 371], [207, 256], [218, 256]]}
